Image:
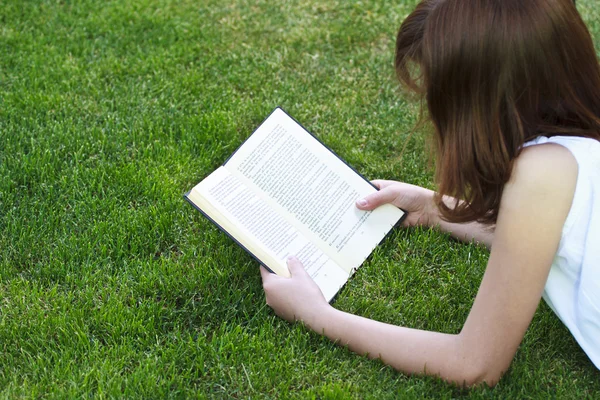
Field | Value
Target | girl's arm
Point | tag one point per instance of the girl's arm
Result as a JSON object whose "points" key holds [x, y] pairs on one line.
{"points": [[422, 211], [534, 207], [466, 232]]}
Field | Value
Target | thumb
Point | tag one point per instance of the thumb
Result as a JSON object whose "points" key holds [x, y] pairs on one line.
{"points": [[379, 198], [295, 266]]}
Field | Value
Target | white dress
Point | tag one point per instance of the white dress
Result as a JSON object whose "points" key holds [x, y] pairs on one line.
{"points": [[573, 286]]}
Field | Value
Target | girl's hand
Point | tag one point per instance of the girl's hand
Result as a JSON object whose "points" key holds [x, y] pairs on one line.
{"points": [[294, 299], [415, 200]]}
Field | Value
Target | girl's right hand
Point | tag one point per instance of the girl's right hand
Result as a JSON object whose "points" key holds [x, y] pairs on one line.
{"points": [[415, 200]]}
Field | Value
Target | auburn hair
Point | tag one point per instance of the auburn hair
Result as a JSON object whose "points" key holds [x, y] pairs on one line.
{"points": [[495, 74]]}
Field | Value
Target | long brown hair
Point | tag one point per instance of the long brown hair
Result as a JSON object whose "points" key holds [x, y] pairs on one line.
{"points": [[495, 74]]}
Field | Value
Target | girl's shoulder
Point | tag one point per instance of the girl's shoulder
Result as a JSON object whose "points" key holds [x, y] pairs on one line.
{"points": [[576, 163], [542, 162], [585, 151], [545, 174]]}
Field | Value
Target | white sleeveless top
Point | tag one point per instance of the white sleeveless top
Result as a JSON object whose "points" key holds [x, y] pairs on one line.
{"points": [[573, 286]]}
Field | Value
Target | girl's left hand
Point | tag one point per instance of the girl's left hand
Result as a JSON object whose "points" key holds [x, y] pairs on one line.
{"points": [[297, 298]]}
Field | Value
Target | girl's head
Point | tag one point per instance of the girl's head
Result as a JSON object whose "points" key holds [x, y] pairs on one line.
{"points": [[494, 74]]}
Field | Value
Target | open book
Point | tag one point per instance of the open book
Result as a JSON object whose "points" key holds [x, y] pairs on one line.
{"points": [[283, 193]]}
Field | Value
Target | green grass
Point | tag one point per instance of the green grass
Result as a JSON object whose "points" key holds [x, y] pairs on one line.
{"points": [[112, 286]]}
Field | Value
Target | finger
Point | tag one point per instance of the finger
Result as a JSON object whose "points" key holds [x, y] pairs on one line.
{"points": [[295, 266], [265, 274], [374, 200]]}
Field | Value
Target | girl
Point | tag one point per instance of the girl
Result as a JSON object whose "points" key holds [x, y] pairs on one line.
{"points": [[512, 90]]}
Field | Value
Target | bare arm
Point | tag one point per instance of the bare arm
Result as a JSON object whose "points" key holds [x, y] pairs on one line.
{"points": [[534, 207], [466, 232]]}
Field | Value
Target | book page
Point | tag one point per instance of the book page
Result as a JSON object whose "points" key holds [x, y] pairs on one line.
{"points": [[263, 231], [300, 177]]}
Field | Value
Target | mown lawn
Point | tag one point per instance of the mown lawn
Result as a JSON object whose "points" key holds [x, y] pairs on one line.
{"points": [[111, 285]]}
